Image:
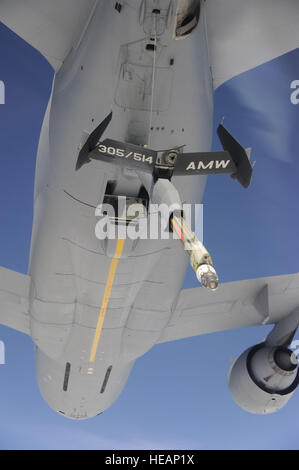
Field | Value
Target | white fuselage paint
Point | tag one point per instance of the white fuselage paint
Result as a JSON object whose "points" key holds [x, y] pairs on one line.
{"points": [[110, 68]]}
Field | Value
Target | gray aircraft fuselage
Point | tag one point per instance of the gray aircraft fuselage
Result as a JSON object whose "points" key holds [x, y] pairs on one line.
{"points": [[111, 68]]}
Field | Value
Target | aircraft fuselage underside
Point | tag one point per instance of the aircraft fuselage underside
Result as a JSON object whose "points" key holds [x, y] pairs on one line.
{"points": [[111, 69]]}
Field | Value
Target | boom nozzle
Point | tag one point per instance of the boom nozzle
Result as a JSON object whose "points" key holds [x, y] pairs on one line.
{"points": [[207, 276]]}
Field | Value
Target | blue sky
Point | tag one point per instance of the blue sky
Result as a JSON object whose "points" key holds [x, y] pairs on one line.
{"points": [[177, 395]]}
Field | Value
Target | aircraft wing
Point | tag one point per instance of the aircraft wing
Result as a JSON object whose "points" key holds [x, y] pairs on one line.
{"points": [[14, 294], [233, 305], [51, 26], [243, 34]]}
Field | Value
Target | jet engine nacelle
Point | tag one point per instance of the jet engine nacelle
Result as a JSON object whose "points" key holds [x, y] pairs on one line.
{"points": [[263, 378]]}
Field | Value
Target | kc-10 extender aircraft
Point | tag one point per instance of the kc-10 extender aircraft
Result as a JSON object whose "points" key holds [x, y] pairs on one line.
{"points": [[133, 77]]}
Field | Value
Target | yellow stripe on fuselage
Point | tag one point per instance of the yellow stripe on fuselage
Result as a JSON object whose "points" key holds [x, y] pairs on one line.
{"points": [[107, 293]]}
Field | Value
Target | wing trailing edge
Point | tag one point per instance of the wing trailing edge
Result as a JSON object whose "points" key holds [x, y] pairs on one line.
{"points": [[14, 304], [233, 305], [243, 34]]}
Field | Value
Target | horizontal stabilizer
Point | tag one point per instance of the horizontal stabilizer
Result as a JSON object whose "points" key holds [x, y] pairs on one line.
{"points": [[167, 163], [204, 163], [128, 155], [239, 155], [92, 142]]}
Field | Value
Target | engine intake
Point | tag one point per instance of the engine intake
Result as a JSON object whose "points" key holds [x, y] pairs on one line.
{"points": [[263, 378]]}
